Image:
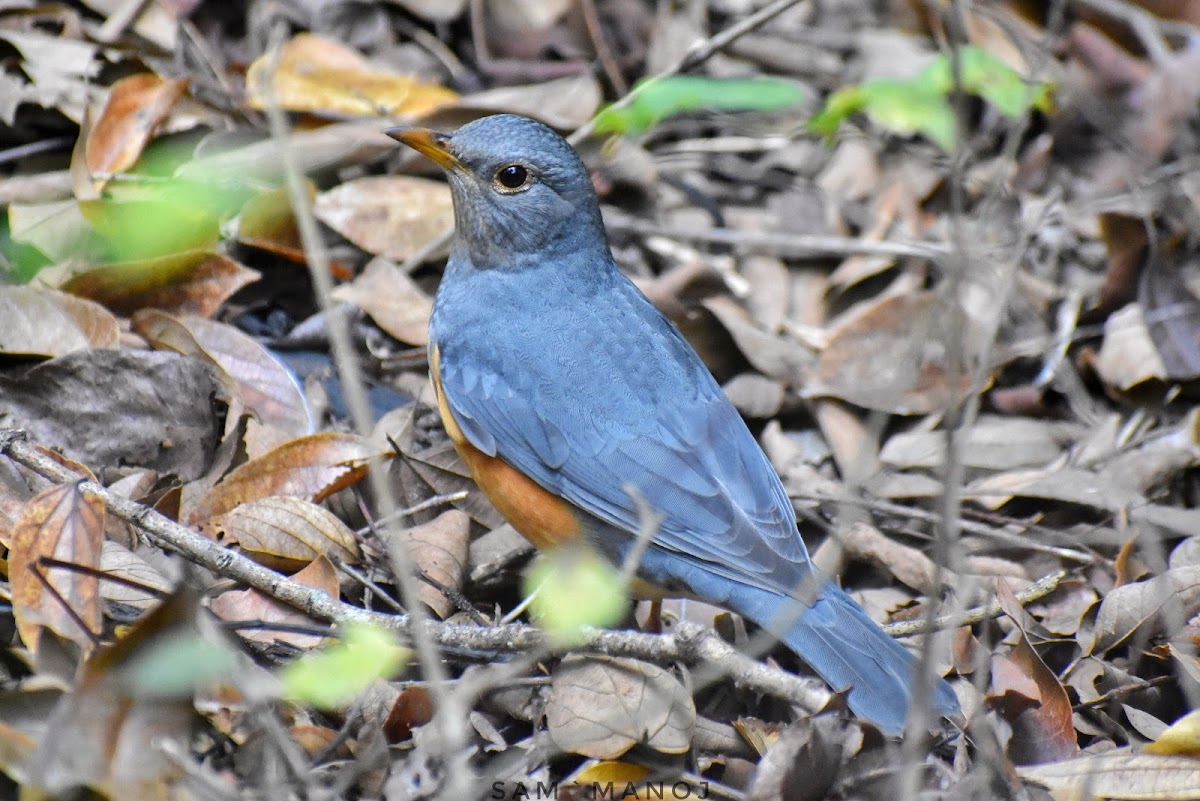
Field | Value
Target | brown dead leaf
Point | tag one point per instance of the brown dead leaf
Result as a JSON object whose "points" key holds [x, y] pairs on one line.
{"points": [[392, 299], [264, 385], [120, 408], [137, 105], [891, 357], [601, 707], [252, 605], [913, 568], [194, 282], [1120, 773], [64, 524], [1033, 700], [393, 216], [45, 322], [1125, 238], [312, 467], [775, 356], [1175, 595], [323, 76], [411, 709], [439, 550], [286, 533]]}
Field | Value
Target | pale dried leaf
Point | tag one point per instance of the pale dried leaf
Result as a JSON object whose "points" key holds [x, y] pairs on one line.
{"points": [[392, 299], [286, 532], [601, 707], [393, 216]]}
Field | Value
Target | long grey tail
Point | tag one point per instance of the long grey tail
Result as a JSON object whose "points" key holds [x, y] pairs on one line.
{"points": [[846, 648]]}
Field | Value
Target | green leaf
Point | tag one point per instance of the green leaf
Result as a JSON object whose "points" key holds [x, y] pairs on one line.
{"points": [[575, 588], [663, 98], [332, 677], [921, 105], [908, 108]]}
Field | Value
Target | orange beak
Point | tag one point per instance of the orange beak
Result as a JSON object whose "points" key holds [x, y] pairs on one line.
{"points": [[428, 143]]}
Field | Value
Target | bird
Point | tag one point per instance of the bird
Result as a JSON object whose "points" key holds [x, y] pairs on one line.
{"points": [[569, 396]]}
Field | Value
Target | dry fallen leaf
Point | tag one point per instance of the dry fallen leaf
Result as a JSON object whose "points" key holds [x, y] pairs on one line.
{"points": [[120, 408], [45, 322], [265, 386], [1175, 596], [64, 524], [439, 550], [1119, 774], [323, 76], [312, 467], [891, 357], [394, 216], [137, 105], [601, 707], [193, 282], [286, 533], [252, 605], [392, 299]]}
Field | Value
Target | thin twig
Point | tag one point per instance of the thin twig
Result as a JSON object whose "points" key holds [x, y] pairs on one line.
{"points": [[1039, 589], [689, 643]]}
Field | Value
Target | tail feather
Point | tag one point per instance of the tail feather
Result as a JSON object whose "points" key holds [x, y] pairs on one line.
{"points": [[846, 648]]}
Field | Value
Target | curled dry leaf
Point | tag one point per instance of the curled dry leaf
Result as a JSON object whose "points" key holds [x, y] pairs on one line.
{"points": [[286, 533], [392, 299], [1029, 695], [194, 282], [1175, 596], [63, 524], [264, 385], [323, 76], [891, 357], [601, 707], [45, 322], [312, 467], [252, 605], [393, 216], [120, 407], [1173, 313], [137, 105], [439, 550]]}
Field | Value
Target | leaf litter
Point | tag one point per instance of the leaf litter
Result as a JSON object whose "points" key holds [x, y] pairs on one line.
{"points": [[1027, 381]]}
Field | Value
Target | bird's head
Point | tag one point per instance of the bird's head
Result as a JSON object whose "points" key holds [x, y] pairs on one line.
{"points": [[521, 194]]}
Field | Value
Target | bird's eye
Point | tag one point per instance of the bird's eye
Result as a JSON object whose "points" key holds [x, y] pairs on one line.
{"points": [[512, 178]]}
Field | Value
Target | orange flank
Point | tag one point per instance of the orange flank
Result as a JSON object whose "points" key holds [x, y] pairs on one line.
{"points": [[542, 517]]}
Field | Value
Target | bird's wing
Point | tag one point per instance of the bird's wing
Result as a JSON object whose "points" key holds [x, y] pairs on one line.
{"points": [[641, 411]]}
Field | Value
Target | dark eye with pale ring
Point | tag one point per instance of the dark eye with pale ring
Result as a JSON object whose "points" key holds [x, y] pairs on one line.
{"points": [[512, 177]]}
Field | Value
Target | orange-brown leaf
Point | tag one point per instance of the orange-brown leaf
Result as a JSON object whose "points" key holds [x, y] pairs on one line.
{"points": [[312, 467], [287, 533], [136, 106], [194, 282], [64, 524], [252, 605]]}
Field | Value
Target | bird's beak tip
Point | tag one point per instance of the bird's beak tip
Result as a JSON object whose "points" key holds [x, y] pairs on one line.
{"points": [[429, 143]]}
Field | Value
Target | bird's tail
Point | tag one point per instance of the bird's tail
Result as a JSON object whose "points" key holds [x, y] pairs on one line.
{"points": [[846, 648]]}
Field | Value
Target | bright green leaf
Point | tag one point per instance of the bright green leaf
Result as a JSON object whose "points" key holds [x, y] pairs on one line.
{"points": [[921, 105], [663, 98], [575, 588], [332, 677]]}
